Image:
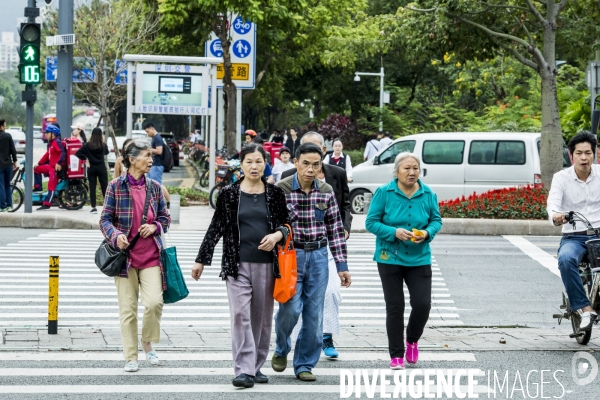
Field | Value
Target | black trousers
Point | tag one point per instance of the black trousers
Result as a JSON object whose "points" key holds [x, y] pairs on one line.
{"points": [[418, 281], [97, 173]]}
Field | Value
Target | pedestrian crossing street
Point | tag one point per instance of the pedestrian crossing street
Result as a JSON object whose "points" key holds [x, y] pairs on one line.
{"points": [[100, 375], [88, 298]]}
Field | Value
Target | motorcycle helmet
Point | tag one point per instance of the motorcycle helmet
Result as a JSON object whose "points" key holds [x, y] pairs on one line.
{"points": [[53, 129], [251, 133]]}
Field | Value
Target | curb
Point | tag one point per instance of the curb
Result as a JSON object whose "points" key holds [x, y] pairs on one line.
{"points": [[37, 221], [469, 226]]}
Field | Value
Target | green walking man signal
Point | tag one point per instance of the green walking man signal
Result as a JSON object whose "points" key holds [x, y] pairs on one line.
{"points": [[29, 67]]}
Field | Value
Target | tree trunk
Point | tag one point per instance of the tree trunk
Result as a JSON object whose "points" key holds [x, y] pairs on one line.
{"points": [[551, 141]]}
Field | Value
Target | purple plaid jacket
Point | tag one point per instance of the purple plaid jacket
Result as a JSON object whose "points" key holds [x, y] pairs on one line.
{"points": [[316, 216], [117, 215]]}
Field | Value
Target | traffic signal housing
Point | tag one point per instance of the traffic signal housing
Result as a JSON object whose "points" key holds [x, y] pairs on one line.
{"points": [[29, 52]]}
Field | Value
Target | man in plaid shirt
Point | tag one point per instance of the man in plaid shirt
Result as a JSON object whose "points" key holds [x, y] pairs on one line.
{"points": [[316, 222]]}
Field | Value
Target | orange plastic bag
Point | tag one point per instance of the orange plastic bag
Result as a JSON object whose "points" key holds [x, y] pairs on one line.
{"points": [[285, 287]]}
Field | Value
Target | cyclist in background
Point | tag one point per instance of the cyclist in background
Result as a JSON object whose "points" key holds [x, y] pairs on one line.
{"points": [[576, 188]]}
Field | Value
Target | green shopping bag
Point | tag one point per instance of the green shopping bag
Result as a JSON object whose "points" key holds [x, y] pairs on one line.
{"points": [[176, 287]]}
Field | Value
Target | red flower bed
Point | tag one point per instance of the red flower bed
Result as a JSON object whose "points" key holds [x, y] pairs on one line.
{"points": [[526, 202]]}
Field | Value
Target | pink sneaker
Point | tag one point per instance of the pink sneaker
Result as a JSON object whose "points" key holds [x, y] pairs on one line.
{"points": [[412, 353], [397, 363]]}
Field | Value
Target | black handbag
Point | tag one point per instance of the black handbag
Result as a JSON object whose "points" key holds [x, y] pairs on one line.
{"points": [[112, 260]]}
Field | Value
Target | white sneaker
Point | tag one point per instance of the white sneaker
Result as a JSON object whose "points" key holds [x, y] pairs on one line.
{"points": [[587, 320], [131, 366]]}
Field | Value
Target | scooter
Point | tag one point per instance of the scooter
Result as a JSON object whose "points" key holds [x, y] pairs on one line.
{"points": [[71, 194]]}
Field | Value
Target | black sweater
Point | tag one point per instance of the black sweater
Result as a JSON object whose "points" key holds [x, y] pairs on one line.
{"points": [[95, 156], [7, 150]]}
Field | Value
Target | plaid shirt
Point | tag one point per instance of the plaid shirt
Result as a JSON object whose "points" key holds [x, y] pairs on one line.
{"points": [[117, 215], [316, 216]]}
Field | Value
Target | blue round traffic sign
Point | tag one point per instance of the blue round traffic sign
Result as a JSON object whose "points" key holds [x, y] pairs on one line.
{"points": [[216, 49], [240, 26], [241, 48]]}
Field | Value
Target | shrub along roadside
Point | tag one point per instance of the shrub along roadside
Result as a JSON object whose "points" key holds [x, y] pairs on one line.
{"points": [[527, 202]]}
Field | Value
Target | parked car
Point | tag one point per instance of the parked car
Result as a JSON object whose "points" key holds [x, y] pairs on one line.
{"points": [[90, 111], [493, 160], [37, 132], [111, 157], [15, 128], [19, 139], [96, 114], [173, 145]]}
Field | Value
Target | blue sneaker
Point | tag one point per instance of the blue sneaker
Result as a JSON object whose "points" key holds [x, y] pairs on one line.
{"points": [[328, 347]]}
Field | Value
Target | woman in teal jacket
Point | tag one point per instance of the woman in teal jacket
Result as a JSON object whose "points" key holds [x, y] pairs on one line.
{"points": [[405, 217]]}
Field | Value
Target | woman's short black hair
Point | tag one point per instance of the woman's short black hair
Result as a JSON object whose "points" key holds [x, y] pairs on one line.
{"points": [[582, 137], [307, 148], [337, 139], [134, 149], [252, 148]]}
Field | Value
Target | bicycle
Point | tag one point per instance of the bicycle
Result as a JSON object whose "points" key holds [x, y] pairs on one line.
{"points": [[589, 270], [18, 197], [226, 174]]}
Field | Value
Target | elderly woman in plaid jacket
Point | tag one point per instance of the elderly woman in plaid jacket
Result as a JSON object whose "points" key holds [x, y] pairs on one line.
{"points": [[121, 219]]}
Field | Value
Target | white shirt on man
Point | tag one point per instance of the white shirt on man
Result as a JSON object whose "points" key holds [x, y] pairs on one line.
{"points": [[372, 149], [384, 142], [280, 167], [569, 193]]}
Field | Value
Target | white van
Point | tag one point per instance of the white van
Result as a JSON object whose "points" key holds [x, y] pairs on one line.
{"points": [[457, 163]]}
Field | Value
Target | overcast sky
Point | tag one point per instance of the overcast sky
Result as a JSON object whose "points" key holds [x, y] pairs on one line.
{"points": [[13, 9]]}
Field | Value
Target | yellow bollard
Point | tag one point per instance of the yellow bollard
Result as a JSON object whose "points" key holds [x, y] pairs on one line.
{"points": [[53, 296]]}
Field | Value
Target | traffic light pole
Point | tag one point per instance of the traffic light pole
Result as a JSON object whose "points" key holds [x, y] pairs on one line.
{"points": [[64, 78], [30, 101]]}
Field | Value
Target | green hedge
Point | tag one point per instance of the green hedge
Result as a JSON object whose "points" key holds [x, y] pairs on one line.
{"points": [[356, 156]]}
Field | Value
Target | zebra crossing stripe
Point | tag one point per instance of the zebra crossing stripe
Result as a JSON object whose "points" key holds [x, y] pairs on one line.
{"points": [[438, 356]]}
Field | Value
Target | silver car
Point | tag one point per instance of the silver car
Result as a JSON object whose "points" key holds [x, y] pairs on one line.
{"points": [[19, 139]]}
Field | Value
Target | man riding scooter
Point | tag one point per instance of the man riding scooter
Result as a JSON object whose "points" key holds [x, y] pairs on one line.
{"points": [[576, 189], [50, 165]]}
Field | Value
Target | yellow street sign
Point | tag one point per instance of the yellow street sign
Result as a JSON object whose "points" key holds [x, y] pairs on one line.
{"points": [[240, 72]]}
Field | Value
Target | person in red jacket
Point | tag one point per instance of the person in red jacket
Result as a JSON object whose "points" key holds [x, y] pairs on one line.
{"points": [[50, 165]]}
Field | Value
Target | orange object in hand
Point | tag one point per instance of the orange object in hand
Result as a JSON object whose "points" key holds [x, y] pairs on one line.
{"points": [[416, 232]]}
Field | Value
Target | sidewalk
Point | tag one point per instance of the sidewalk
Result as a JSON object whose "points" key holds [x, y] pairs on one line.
{"points": [[364, 339]]}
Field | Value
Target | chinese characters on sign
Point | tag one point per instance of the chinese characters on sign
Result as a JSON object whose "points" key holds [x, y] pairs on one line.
{"points": [[239, 72]]}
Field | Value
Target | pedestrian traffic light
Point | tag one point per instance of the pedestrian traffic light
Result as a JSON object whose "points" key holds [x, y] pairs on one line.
{"points": [[29, 67]]}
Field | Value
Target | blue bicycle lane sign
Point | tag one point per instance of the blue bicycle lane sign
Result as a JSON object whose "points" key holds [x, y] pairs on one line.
{"points": [[242, 27]]}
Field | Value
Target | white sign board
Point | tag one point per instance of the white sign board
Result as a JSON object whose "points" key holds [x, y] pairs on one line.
{"points": [[172, 89], [243, 52]]}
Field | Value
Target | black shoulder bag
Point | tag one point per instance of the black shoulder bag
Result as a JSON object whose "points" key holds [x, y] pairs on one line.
{"points": [[112, 260]]}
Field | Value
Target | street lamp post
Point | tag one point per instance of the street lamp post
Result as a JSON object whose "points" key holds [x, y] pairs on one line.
{"points": [[381, 75]]}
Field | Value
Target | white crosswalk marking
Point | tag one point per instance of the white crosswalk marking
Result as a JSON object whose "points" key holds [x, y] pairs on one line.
{"points": [[101, 374], [88, 298]]}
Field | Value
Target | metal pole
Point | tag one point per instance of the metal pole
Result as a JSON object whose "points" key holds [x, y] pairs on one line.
{"points": [[129, 98], [64, 78], [381, 102], [29, 114], [221, 110], [238, 120], [53, 295], [213, 127]]}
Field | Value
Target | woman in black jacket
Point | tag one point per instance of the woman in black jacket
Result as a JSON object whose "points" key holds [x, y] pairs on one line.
{"points": [[94, 151], [251, 216]]}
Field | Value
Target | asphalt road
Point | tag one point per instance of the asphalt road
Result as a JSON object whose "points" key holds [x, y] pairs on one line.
{"points": [[490, 281]]}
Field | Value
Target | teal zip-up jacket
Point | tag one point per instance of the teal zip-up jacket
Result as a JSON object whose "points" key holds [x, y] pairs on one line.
{"points": [[391, 209]]}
